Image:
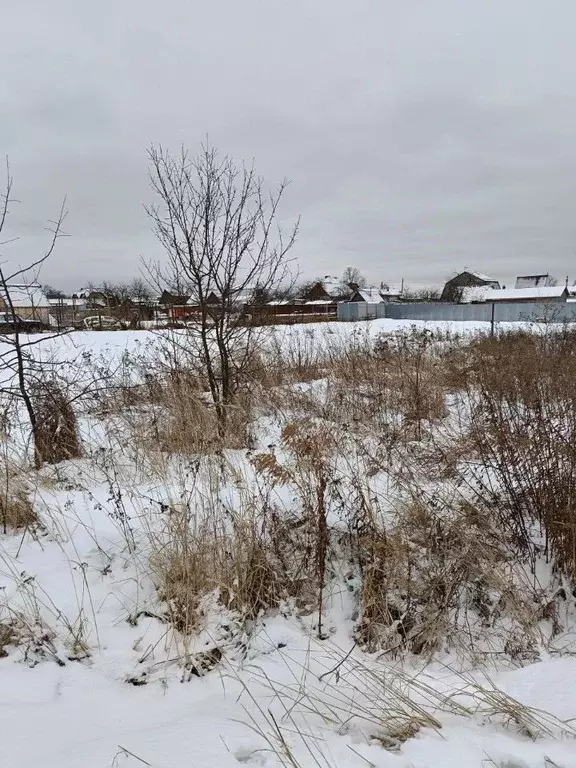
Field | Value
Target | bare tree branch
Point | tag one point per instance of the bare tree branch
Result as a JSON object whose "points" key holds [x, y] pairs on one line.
{"points": [[219, 228]]}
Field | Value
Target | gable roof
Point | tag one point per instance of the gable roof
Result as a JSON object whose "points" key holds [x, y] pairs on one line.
{"points": [[481, 276], [368, 295]]}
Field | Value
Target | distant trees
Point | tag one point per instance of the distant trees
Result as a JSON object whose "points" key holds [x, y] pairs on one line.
{"points": [[53, 293], [352, 277], [432, 293]]}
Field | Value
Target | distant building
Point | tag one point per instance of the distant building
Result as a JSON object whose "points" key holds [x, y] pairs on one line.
{"points": [[453, 288], [533, 281], [537, 294], [174, 305], [66, 310], [326, 291], [391, 292], [28, 300], [367, 296]]}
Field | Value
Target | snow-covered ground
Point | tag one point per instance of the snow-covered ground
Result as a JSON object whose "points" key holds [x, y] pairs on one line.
{"points": [[74, 706], [114, 343], [99, 682]]}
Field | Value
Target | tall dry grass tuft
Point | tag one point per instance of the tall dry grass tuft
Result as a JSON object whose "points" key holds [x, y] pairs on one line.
{"points": [[200, 551], [16, 509], [56, 434], [307, 465]]}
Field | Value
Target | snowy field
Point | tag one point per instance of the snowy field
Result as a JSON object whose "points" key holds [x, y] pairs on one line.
{"points": [[118, 341], [101, 681]]}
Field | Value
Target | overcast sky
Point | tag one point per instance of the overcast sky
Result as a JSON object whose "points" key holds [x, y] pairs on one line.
{"points": [[421, 136]]}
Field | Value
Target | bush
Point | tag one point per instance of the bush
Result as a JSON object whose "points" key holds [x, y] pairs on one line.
{"points": [[56, 436]]}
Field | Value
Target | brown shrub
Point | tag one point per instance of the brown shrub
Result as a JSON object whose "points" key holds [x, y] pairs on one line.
{"points": [[195, 555], [16, 510], [56, 436]]}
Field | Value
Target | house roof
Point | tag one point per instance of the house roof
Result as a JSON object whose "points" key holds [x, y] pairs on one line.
{"points": [[27, 295], [485, 293], [368, 295], [65, 301], [535, 292], [391, 289], [173, 299], [472, 293], [481, 276]]}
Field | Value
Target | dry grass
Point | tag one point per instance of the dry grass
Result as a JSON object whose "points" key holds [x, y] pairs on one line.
{"points": [[56, 435], [197, 553], [376, 703], [443, 576], [522, 392], [473, 442], [16, 509]]}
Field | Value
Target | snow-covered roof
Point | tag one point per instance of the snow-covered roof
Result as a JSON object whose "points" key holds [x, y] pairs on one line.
{"points": [[391, 289], [369, 295], [65, 301], [485, 293], [321, 301], [30, 295], [482, 276], [538, 292], [278, 302]]}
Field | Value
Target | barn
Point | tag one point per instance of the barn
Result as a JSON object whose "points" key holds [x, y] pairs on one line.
{"points": [[467, 279]]}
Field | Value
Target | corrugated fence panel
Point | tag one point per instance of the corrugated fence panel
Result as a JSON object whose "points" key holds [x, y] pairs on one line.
{"points": [[504, 311]]}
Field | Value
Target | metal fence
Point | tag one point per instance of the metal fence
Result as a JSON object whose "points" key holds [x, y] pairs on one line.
{"points": [[499, 312]]}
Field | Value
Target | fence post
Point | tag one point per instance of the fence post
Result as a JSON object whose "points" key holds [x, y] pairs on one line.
{"points": [[492, 319]]}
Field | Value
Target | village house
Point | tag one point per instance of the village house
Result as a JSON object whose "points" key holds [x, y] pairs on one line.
{"points": [[29, 302], [67, 311], [453, 288], [181, 307], [367, 296]]}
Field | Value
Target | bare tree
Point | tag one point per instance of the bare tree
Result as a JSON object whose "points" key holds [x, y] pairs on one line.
{"points": [[140, 290], [352, 277], [431, 293], [24, 372], [219, 227]]}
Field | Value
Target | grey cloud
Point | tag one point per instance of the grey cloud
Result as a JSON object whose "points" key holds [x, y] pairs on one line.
{"points": [[420, 137]]}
